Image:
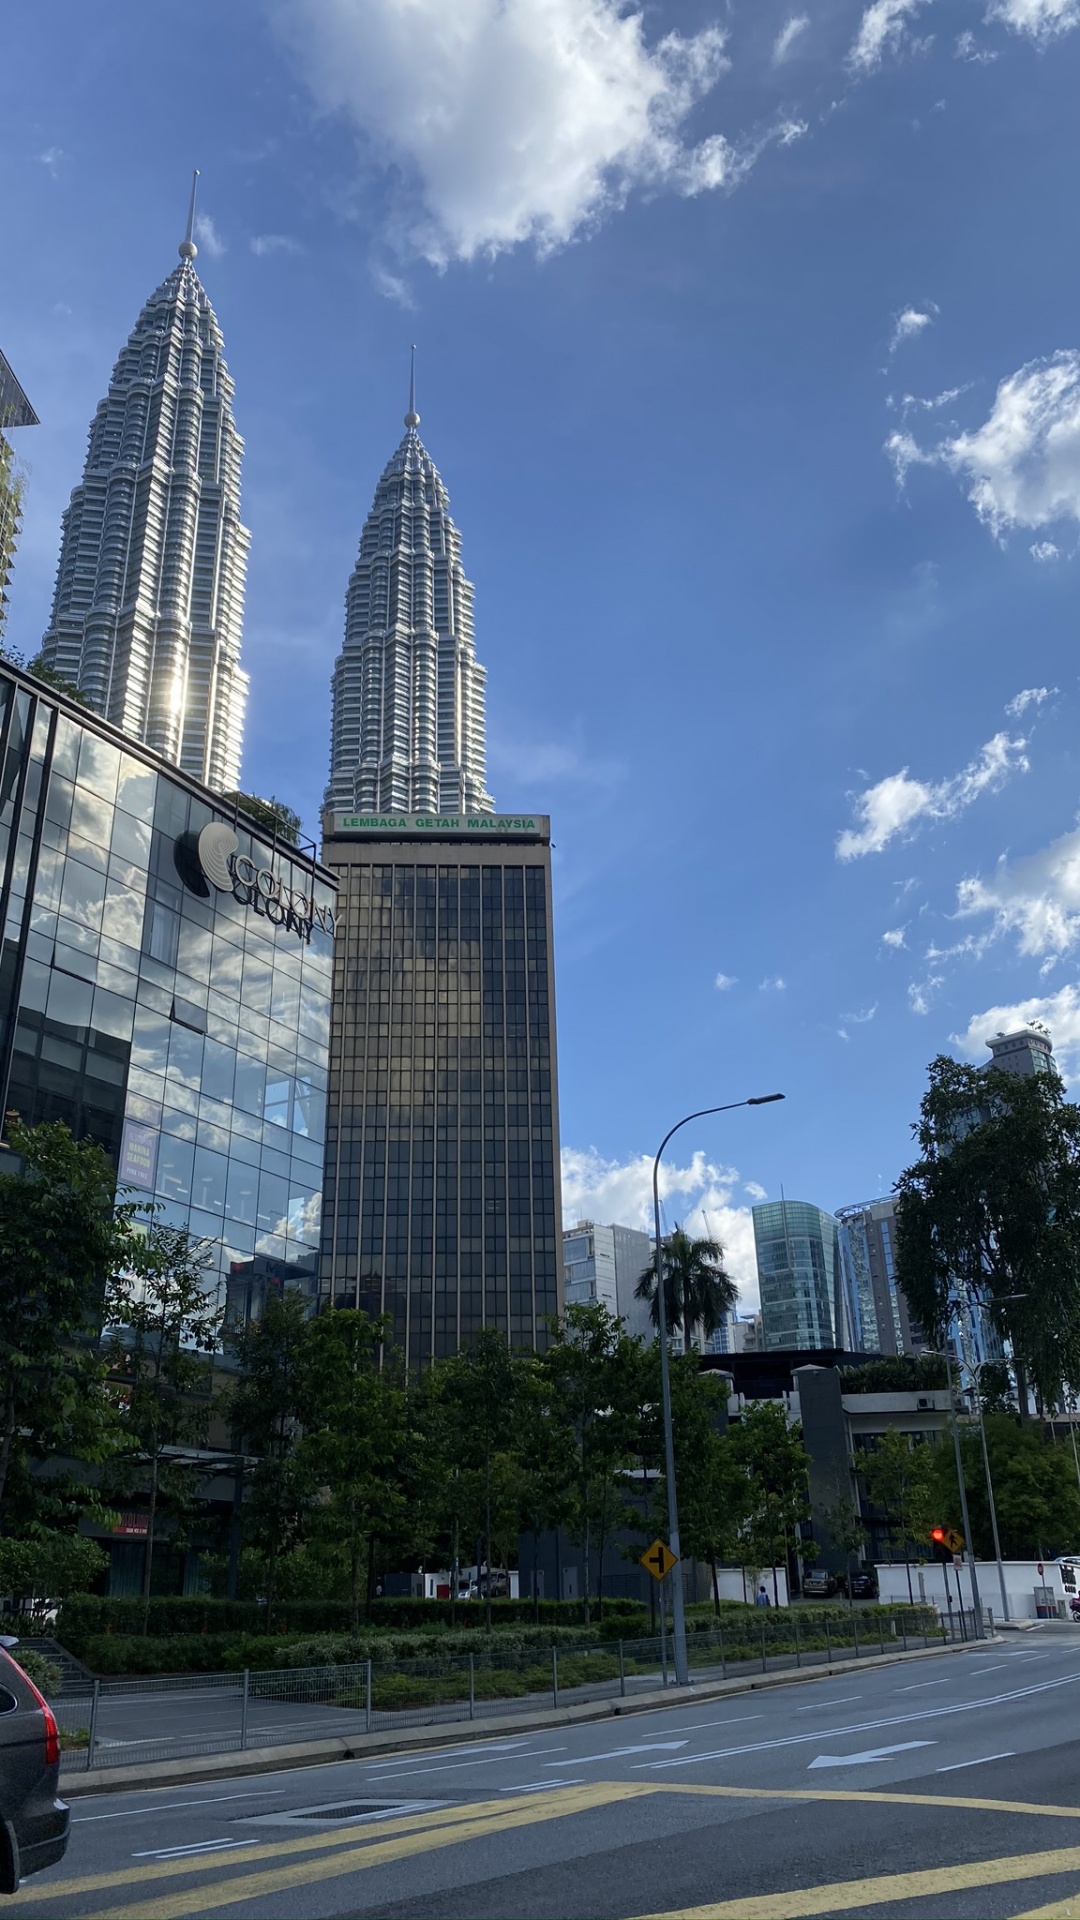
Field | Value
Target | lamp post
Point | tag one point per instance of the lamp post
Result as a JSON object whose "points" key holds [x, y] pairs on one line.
{"points": [[975, 1367], [682, 1674], [976, 1602]]}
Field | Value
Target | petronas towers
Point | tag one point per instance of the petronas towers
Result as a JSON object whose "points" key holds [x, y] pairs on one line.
{"points": [[149, 600]]}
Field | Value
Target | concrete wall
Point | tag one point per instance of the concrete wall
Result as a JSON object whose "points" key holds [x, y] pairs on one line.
{"points": [[1021, 1579]]}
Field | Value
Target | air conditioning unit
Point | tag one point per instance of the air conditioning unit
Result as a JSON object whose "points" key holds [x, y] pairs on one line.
{"points": [[923, 1404]]}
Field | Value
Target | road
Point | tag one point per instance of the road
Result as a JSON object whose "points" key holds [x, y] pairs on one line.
{"points": [[946, 1786]]}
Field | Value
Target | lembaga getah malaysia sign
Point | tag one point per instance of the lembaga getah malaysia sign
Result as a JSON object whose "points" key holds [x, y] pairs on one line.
{"points": [[211, 856], [502, 824]]}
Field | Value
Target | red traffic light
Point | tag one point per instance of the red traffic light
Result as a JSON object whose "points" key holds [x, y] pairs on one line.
{"points": [[937, 1534]]}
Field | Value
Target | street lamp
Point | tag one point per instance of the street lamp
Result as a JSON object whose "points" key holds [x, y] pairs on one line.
{"points": [[976, 1601], [682, 1673], [975, 1367]]}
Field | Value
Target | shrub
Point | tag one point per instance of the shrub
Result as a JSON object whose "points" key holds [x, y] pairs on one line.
{"points": [[44, 1673]]}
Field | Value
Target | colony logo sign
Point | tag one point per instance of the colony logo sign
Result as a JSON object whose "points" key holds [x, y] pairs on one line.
{"points": [[211, 856]]}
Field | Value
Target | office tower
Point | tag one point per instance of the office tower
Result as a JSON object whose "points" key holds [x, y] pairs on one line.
{"points": [[165, 978], [1029, 1050], [441, 1197], [604, 1264], [408, 693], [149, 598], [800, 1276], [15, 411], [882, 1321]]}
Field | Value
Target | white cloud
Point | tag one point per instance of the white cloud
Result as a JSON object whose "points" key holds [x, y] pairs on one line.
{"points": [[393, 287], [894, 937], [756, 1191], [1041, 20], [1059, 1011], [772, 983], [787, 36], [515, 120], [1037, 898], [1044, 550], [1022, 466], [263, 244], [881, 30], [208, 236], [921, 992], [699, 1196], [860, 1019], [908, 324], [1028, 697], [51, 159], [894, 805], [968, 48], [936, 400], [725, 981]]}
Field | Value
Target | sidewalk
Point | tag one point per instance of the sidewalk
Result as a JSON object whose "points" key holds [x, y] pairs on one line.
{"points": [[233, 1764]]}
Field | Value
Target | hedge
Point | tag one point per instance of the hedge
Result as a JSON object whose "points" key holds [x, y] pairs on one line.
{"points": [[87, 1615]]}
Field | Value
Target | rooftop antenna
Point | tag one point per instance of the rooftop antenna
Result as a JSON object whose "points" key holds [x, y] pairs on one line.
{"points": [[412, 418], [188, 249]]}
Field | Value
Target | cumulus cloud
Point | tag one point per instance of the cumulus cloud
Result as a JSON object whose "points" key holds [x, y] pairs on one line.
{"points": [[894, 937], [700, 1196], [1037, 899], [907, 325], [208, 237], [516, 120], [1044, 551], [882, 30], [264, 244], [787, 36], [725, 981], [1059, 1012], [1041, 20], [1028, 697], [756, 1191], [898, 802], [1022, 466]]}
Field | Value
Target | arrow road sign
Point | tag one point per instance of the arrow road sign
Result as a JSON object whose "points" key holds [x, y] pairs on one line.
{"points": [[658, 1560], [871, 1753]]}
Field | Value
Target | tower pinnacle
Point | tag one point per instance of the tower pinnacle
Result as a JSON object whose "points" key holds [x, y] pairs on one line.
{"points": [[188, 249], [412, 418]]}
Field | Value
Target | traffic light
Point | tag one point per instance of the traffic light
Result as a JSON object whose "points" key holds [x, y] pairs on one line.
{"points": [[939, 1541]]}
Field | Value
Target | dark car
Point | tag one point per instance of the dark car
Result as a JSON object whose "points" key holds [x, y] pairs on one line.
{"points": [[817, 1584], [33, 1822], [862, 1585]]}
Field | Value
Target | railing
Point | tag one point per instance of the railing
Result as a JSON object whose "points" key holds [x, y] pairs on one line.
{"points": [[127, 1722]]}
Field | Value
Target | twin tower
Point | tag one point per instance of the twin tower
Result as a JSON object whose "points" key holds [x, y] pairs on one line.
{"points": [[148, 610]]}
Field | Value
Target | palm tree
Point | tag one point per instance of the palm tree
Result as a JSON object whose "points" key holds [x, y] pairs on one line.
{"points": [[697, 1291]]}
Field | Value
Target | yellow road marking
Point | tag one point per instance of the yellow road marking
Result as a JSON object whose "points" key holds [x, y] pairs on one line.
{"points": [[249, 1886], [872, 1797], [1066, 1909], [847, 1896], [272, 1850]]}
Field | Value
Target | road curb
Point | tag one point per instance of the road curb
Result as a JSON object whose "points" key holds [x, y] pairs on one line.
{"points": [[235, 1763]]}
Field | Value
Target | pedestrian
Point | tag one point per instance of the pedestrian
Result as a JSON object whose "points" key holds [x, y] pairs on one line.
{"points": [[762, 1596]]}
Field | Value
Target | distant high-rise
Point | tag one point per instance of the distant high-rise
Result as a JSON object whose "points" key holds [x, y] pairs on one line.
{"points": [[408, 731], [800, 1276], [1025, 1051], [882, 1319], [149, 599], [15, 411]]}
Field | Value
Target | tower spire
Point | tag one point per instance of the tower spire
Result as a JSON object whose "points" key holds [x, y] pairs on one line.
{"points": [[188, 249], [412, 418]]}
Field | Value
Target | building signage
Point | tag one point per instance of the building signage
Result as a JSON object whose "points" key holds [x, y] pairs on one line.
{"points": [[138, 1155], [254, 886], [502, 824]]}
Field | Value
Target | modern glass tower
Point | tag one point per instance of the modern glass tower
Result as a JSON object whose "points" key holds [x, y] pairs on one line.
{"points": [[408, 691], [800, 1276], [149, 597]]}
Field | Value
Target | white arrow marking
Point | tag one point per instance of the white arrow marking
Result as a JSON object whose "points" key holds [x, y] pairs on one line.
{"points": [[871, 1753], [647, 1746]]}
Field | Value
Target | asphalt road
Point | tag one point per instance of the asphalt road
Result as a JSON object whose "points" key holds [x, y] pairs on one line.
{"points": [[941, 1787]]}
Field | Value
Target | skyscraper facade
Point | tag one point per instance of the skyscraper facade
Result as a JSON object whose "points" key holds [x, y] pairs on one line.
{"points": [[148, 607], [408, 692], [15, 411], [800, 1276], [882, 1322]]}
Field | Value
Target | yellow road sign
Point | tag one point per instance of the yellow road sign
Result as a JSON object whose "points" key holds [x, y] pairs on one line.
{"points": [[658, 1560], [954, 1541]]}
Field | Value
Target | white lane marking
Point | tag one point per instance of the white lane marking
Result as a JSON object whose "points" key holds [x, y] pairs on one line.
{"points": [[870, 1753], [736, 1720], [544, 1786], [185, 1853], [618, 1753], [986, 1758], [822, 1706], [998, 1667], [168, 1806], [498, 1748], [920, 1684], [866, 1726], [402, 1773]]}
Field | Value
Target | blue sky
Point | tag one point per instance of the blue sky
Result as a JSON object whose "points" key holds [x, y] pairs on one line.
{"points": [[749, 350]]}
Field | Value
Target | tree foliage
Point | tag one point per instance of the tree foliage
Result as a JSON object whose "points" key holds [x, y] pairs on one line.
{"points": [[1035, 1490], [697, 1291], [276, 816]]}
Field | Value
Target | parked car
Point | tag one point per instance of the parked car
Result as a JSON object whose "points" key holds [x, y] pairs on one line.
{"points": [[33, 1821], [862, 1585], [817, 1584]]}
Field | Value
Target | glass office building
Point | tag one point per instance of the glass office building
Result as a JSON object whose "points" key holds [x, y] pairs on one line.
{"points": [[165, 981], [800, 1277], [442, 1133]]}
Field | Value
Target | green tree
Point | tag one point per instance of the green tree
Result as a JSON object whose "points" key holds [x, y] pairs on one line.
{"points": [[162, 1326], [774, 1468], [899, 1474], [482, 1388], [712, 1490], [60, 1246], [274, 815], [992, 1208], [697, 1291], [595, 1371], [49, 1567], [265, 1409], [1035, 1492], [844, 1525], [544, 1467]]}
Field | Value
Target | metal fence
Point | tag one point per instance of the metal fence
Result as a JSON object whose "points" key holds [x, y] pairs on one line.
{"points": [[124, 1722]]}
